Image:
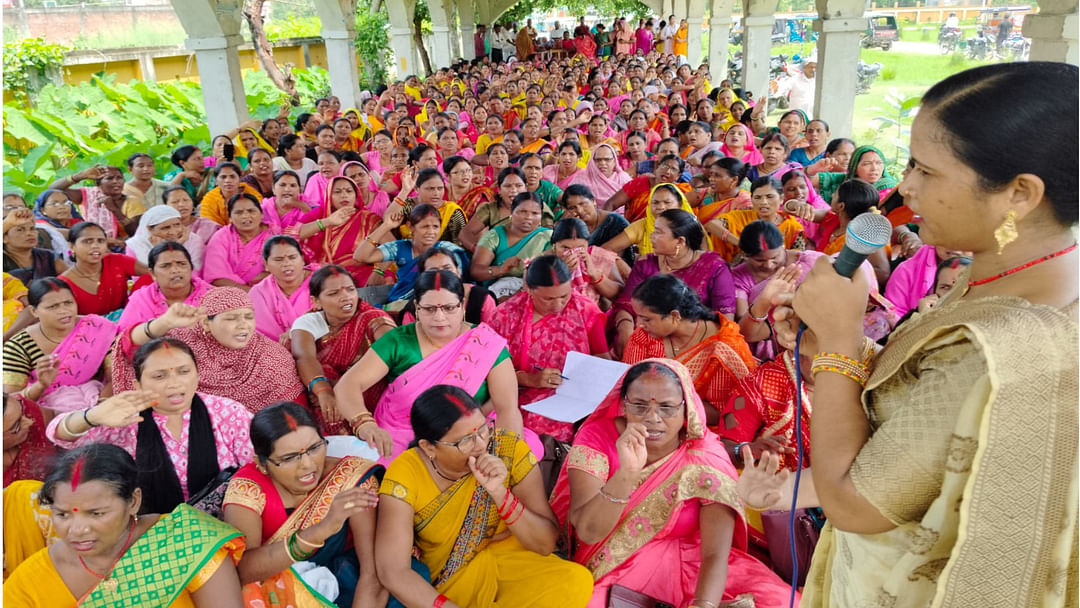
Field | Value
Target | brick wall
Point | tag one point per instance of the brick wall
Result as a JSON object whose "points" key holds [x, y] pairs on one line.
{"points": [[62, 25]]}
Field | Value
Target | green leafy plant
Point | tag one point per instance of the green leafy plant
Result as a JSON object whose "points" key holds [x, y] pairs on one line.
{"points": [[29, 63], [72, 127], [293, 27], [897, 118], [373, 47]]}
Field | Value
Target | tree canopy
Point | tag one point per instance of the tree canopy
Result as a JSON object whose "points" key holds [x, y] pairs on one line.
{"points": [[523, 9]]}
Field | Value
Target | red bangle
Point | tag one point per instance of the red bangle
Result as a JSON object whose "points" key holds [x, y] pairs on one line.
{"points": [[505, 498], [520, 513], [440, 601], [597, 281], [322, 389], [513, 505]]}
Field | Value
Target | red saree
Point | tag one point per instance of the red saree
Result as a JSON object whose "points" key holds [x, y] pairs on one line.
{"points": [[336, 245], [36, 455], [639, 190], [655, 548], [337, 352]]}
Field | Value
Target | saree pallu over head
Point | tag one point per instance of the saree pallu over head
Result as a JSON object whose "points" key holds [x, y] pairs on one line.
{"points": [[80, 356], [465, 363], [829, 182], [451, 220], [698, 471], [640, 190], [336, 244], [751, 155], [645, 246], [953, 394], [36, 455], [716, 363], [602, 186], [261, 373], [452, 527]]}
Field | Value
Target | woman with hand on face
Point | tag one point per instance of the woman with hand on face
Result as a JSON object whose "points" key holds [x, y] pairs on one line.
{"points": [[175, 282], [190, 172], [296, 504], [579, 203], [161, 224], [765, 196], [179, 199], [597, 274], [369, 198], [430, 189], [1011, 200], [102, 203], [108, 537], [236, 360], [182, 443], [329, 340], [674, 324], [99, 279], [648, 440], [488, 532], [424, 224], [440, 346], [233, 255]]}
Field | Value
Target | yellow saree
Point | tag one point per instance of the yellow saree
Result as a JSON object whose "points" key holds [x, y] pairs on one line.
{"points": [[453, 532], [27, 525], [973, 455]]}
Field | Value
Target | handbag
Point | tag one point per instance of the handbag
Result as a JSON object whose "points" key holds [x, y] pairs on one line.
{"points": [[808, 524], [555, 453], [625, 597], [209, 499]]}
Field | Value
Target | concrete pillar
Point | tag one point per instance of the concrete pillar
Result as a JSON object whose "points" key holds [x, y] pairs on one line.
{"points": [[213, 33], [467, 18], [1053, 37], [695, 17], [719, 32], [222, 84], [146, 66], [401, 39], [339, 33], [838, 54], [440, 50], [757, 43]]}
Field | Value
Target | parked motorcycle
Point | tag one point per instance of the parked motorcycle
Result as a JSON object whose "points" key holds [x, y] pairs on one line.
{"points": [[948, 39], [1017, 47], [979, 46], [867, 73]]}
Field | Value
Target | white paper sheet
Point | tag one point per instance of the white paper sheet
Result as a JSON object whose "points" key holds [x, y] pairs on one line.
{"points": [[588, 380]]}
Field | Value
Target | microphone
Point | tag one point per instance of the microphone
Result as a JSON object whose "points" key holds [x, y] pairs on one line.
{"points": [[865, 234]]}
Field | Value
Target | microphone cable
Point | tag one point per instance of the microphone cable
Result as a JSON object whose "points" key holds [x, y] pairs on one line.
{"points": [[798, 466]]}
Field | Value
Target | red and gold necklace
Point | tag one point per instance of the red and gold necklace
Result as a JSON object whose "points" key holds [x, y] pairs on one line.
{"points": [[109, 583], [1022, 267]]}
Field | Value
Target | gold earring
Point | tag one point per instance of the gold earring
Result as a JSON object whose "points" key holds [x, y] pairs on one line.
{"points": [[1006, 232], [678, 250]]}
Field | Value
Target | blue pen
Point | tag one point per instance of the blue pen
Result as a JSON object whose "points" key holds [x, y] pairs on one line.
{"points": [[540, 369]]}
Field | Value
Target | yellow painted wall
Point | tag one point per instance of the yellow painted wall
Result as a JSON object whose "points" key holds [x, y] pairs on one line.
{"points": [[176, 67], [125, 70]]}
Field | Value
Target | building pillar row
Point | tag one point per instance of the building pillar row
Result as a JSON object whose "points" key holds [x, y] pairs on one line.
{"points": [[757, 49], [343, 68]]}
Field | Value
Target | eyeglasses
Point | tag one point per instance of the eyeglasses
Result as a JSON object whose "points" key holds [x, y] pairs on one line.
{"points": [[666, 410], [62, 203], [443, 308], [468, 443], [294, 458]]}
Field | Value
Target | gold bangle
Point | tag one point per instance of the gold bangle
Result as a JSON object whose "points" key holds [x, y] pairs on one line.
{"points": [[841, 364]]}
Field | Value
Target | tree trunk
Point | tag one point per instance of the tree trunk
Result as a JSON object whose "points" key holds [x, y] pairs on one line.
{"points": [[418, 38], [253, 11], [375, 6]]}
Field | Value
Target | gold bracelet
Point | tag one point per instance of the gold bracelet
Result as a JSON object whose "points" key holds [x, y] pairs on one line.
{"points": [[841, 364]]}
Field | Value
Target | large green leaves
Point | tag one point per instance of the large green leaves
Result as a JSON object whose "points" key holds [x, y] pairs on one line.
{"points": [[71, 127]]}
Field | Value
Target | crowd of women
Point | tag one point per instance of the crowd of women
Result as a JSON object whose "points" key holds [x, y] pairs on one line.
{"points": [[314, 341]]}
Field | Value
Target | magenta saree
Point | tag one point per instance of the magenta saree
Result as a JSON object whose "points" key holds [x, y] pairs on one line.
{"points": [[655, 548], [80, 356], [229, 257]]}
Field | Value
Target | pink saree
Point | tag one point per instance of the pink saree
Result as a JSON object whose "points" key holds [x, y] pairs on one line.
{"points": [[274, 311], [464, 363], [229, 257], [279, 222], [80, 356], [655, 548], [149, 303]]}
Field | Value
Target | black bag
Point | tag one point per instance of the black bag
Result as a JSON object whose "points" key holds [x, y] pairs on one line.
{"points": [[209, 499], [625, 597]]}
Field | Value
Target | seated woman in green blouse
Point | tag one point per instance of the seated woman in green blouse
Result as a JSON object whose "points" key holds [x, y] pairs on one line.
{"points": [[439, 348]]}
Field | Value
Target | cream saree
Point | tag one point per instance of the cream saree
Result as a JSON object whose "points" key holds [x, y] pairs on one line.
{"points": [[973, 455]]}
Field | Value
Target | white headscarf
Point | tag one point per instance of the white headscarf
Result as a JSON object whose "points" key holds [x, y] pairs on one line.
{"points": [[139, 245]]}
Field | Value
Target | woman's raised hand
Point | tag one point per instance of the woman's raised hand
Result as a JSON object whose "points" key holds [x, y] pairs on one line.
{"points": [[761, 483], [408, 180], [910, 244], [781, 283], [376, 437], [801, 210], [394, 216], [631, 448], [47, 368], [181, 315], [122, 409], [340, 216], [490, 472]]}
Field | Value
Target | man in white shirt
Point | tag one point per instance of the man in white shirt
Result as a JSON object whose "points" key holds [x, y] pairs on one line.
{"points": [[799, 86], [556, 33]]}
